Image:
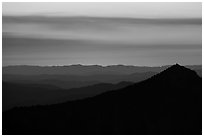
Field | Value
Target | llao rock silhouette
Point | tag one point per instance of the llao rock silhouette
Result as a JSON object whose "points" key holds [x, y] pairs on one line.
{"points": [[167, 103]]}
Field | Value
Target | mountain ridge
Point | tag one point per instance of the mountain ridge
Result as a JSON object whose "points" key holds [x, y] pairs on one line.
{"points": [[169, 103]]}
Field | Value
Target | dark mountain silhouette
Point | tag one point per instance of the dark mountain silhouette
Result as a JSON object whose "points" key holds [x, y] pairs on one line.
{"points": [[167, 103], [32, 94]]}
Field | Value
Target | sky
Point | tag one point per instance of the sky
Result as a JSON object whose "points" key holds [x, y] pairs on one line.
{"points": [[141, 34]]}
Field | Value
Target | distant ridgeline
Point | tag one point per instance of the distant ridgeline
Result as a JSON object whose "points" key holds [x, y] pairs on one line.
{"points": [[86, 70]]}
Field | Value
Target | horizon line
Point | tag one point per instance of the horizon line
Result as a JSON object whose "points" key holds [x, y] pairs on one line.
{"points": [[87, 65]]}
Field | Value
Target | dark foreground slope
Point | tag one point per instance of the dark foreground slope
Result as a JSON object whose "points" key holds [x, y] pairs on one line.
{"points": [[168, 103]]}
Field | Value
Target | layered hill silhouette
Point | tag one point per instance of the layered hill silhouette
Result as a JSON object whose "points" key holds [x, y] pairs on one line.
{"points": [[167, 103], [14, 95], [77, 76], [73, 81]]}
